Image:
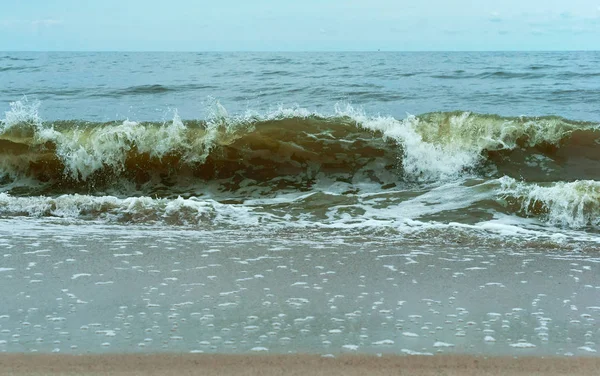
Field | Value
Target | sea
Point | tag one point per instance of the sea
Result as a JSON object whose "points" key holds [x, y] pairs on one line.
{"points": [[313, 202]]}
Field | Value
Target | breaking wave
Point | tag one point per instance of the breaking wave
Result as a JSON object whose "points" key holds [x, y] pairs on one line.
{"points": [[573, 204], [128, 210], [294, 165], [291, 148]]}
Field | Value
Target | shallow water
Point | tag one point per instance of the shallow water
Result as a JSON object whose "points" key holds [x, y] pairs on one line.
{"points": [[107, 289]]}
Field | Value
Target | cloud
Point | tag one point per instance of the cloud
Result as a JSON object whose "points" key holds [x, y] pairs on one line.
{"points": [[452, 31], [573, 30], [564, 22], [565, 15], [46, 22], [8, 23], [396, 29], [495, 17]]}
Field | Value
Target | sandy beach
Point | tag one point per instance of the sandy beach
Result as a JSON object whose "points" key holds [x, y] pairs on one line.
{"points": [[221, 365]]}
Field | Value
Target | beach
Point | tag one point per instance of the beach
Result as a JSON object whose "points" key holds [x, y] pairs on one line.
{"points": [[223, 365]]}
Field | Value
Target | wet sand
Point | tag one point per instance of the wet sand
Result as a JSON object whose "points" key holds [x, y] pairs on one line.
{"points": [[220, 365]]}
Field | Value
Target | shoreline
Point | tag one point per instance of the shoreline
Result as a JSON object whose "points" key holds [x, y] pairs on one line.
{"points": [[315, 365]]}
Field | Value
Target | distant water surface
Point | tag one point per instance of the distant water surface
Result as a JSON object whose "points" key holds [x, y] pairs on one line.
{"points": [[142, 86]]}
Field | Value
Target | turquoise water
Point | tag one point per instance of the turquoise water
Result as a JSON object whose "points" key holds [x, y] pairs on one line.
{"points": [[144, 86]]}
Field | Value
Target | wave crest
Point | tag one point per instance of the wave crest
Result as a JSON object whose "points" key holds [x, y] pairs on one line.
{"points": [[567, 204], [294, 146]]}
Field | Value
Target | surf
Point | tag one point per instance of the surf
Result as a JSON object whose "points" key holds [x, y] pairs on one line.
{"points": [[291, 148]]}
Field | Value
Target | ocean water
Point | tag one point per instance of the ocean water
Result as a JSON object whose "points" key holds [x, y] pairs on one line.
{"points": [[246, 182]]}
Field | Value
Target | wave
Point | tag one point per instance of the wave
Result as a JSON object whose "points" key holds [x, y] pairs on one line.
{"points": [[510, 75], [99, 92], [145, 89], [461, 74], [151, 89], [129, 210], [14, 58], [19, 68], [567, 204], [482, 205], [537, 74], [567, 75], [291, 149]]}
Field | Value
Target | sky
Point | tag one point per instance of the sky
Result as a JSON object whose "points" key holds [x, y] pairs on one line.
{"points": [[299, 25]]}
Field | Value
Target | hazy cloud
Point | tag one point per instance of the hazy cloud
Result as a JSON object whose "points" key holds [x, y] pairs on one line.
{"points": [[396, 29], [566, 15], [495, 17], [452, 31], [8, 23], [47, 22]]}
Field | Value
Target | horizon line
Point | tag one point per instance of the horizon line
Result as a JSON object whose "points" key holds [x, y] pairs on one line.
{"points": [[290, 51]]}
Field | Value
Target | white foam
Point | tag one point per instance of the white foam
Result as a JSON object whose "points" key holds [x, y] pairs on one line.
{"points": [[385, 342], [442, 146], [75, 276], [412, 352], [587, 349], [443, 344], [409, 334], [574, 204], [111, 208], [21, 112], [523, 345]]}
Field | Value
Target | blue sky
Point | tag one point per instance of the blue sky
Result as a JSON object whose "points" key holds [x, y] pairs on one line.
{"points": [[283, 25]]}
